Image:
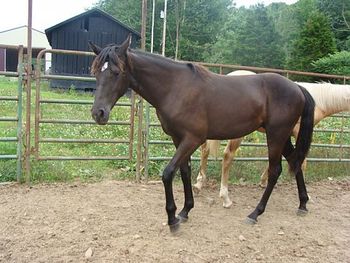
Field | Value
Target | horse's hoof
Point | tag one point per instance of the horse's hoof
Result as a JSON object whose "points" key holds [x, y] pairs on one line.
{"points": [[227, 204], [251, 221], [175, 227], [302, 212], [182, 219]]}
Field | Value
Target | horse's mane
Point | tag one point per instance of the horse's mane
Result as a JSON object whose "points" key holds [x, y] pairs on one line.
{"points": [[108, 54], [330, 98], [195, 68]]}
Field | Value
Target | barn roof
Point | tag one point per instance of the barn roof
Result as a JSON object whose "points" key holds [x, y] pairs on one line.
{"points": [[18, 36], [49, 31]]}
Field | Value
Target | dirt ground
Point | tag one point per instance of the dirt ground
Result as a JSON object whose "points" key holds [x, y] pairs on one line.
{"points": [[114, 221]]}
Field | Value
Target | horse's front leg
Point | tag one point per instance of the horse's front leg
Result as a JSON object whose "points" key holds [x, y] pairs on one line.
{"points": [[183, 152], [202, 178]]}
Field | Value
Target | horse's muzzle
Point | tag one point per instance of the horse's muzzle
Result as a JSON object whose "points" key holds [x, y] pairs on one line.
{"points": [[101, 116]]}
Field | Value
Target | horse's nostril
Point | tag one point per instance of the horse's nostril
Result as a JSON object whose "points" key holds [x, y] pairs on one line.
{"points": [[101, 113]]}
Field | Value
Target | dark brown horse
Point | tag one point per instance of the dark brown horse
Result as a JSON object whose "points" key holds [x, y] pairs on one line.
{"points": [[194, 104]]}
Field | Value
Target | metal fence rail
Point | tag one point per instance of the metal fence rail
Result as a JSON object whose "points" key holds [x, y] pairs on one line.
{"points": [[18, 119]]}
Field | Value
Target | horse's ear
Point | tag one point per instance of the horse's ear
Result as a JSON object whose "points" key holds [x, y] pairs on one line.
{"points": [[126, 44], [96, 49]]}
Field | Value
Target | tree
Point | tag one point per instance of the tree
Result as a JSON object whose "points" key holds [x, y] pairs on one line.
{"points": [[337, 63], [202, 19], [315, 41], [249, 38], [128, 12], [289, 20], [338, 12]]}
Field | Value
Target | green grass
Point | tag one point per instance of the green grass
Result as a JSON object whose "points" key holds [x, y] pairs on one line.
{"points": [[53, 171]]}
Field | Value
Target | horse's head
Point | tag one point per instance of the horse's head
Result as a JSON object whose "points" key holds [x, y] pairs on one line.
{"points": [[109, 68]]}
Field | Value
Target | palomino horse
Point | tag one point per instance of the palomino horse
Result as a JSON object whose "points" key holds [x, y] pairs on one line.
{"points": [[194, 105], [329, 99]]}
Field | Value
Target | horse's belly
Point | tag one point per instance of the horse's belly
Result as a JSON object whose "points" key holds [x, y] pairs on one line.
{"points": [[233, 130]]}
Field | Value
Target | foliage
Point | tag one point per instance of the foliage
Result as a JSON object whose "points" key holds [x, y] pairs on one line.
{"points": [[249, 38], [315, 41], [128, 12], [339, 13], [337, 64], [218, 31]]}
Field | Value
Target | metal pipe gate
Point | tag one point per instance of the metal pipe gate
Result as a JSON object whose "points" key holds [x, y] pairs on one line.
{"points": [[39, 120], [18, 118]]}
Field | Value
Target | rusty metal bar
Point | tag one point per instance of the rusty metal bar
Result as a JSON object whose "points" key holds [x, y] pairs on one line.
{"points": [[9, 74], [281, 71], [81, 102], [19, 112], [139, 159], [8, 157], [61, 140], [9, 98], [63, 121], [64, 77], [83, 158], [254, 159], [29, 89], [8, 119], [8, 139], [132, 121]]}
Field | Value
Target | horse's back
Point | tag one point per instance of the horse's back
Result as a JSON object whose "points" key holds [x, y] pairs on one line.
{"points": [[260, 100]]}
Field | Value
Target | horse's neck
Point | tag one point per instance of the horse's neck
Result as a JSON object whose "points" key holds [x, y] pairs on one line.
{"points": [[330, 98], [148, 78]]}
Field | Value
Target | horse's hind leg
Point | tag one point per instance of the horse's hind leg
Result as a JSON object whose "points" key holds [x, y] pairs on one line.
{"points": [[229, 154], [296, 168], [201, 178], [185, 170], [303, 196], [274, 142]]}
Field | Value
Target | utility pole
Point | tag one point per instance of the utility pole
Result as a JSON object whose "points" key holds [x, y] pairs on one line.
{"points": [[152, 28], [164, 27], [140, 159], [143, 24], [29, 76]]}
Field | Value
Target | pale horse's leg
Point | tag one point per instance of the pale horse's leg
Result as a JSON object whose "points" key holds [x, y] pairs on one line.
{"points": [[229, 154], [201, 178]]}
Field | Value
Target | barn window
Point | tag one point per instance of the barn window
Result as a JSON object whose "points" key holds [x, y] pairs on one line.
{"points": [[85, 24]]}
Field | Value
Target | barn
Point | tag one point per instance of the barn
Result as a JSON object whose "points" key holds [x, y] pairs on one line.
{"points": [[74, 34], [10, 40]]}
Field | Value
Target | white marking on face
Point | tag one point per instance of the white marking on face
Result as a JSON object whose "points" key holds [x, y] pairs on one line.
{"points": [[104, 67]]}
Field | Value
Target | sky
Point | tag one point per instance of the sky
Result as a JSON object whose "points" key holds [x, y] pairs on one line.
{"points": [[47, 13]]}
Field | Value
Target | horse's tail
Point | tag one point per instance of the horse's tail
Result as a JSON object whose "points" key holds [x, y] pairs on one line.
{"points": [[213, 147], [304, 139]]}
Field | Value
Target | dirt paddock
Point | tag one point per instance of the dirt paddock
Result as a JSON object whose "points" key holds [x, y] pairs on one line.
{"points": [[114, 221]]}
